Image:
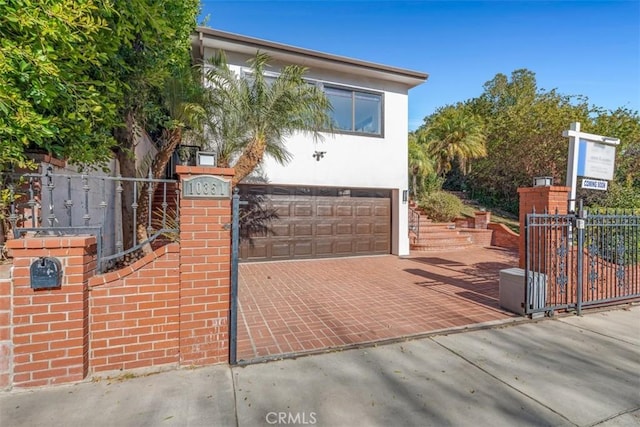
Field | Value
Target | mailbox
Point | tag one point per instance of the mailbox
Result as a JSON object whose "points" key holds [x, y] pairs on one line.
{"points": [[46, 273]]}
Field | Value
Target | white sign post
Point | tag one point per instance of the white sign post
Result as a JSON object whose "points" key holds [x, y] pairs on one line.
{"points": [[590, 155]]}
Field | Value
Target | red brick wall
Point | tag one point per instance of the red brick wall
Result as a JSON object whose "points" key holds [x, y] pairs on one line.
{"points": [[503, 236], [552, 199], [50, 326], [169, 308], [134, 313], [205, 274], [6, 346]]}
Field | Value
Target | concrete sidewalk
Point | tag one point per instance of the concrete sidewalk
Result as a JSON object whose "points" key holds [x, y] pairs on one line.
{"points": [[581, 371]]}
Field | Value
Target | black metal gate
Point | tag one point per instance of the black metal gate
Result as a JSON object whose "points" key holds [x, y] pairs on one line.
{"points": [[583, 259]]}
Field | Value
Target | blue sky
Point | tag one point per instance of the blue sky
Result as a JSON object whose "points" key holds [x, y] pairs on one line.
{"points": [[589, 48]]}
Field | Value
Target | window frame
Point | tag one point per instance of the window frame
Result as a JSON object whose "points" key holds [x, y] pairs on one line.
{"points": [[321, 84], [353, 91]]}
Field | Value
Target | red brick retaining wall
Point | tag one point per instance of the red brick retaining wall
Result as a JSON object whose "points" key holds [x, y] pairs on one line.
{"points": [[169, 308], [503, 236]]}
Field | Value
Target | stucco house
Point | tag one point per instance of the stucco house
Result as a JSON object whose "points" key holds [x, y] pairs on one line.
{"points": [[346, 195]]}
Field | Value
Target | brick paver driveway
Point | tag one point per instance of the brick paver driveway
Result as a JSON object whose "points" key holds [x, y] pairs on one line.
{"points": [[298, 306]]}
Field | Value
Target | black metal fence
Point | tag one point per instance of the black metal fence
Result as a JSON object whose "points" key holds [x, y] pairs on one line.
{"points": [[51, 203], [573, 261]]}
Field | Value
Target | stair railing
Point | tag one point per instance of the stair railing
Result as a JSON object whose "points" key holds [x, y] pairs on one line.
{"points": [[414, 222]]}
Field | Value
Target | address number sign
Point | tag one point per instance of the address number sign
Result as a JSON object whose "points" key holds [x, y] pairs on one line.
{"points": [[205, 186]]}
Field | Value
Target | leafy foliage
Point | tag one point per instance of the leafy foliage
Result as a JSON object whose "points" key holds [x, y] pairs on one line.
{"points": [[522, 125], [251, 115], [56, 94], [441, 206], [453, 133], [420, 166], [255, 217]]}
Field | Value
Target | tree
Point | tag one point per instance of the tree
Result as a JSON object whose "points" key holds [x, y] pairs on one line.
{"points": [[153, 45], [420, 164], [622, 123], [57, 94], [252, 115], [453, 133], [524, 127]]}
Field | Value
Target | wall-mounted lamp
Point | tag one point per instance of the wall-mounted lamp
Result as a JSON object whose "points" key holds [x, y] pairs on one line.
{"points": [[543, 181], [405, 196], [206, 159], [318, 155]]}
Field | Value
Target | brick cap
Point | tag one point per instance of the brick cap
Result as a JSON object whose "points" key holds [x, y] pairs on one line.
{"points": [[551, 189], [204, 170], [51, 242]]}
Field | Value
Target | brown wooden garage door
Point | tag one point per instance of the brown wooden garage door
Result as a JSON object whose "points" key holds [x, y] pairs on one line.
{"points": [[316, 222]]}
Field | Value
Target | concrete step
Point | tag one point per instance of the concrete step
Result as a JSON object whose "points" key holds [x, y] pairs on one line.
{"points": [[443, 239], [436, 248], [429, 227]]}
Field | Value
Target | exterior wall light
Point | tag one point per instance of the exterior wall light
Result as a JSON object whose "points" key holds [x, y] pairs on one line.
{"points": [[543, 181], [405, 196], [206, 159], [318, 155]]}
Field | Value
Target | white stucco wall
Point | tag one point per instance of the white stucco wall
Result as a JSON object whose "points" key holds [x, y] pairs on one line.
{"points": [[351, 160]]}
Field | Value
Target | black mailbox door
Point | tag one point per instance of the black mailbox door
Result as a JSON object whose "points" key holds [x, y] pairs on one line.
{"points": [[46, 273]]}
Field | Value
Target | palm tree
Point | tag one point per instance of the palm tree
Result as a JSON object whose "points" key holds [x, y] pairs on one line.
{"points": [[453, 133], [182, 103], [251, 115], [420, 164]]}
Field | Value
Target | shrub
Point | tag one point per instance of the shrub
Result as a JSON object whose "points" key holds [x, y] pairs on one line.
{"points": [[441, 206]]}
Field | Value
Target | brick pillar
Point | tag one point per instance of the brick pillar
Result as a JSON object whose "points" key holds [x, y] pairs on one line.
{"points": [[50, 326], [549, 199], [205, 269], [481, 219], [6, 346]]}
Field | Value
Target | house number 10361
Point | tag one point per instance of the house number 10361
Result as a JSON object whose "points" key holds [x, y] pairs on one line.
{"points": [[205, 186]]}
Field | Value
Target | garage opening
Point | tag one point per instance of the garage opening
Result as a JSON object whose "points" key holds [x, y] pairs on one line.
{"points": [[318, 222]]}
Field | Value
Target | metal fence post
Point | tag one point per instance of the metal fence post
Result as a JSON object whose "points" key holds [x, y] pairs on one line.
{"points": [[235, 237], [580, 225]]}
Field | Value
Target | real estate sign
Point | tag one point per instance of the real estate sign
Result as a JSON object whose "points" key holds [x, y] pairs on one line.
{"points": [[596, 160], [590, 156], [595, 184]]}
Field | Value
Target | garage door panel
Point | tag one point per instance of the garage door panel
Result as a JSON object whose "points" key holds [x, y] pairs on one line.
{"points": [[303, 209], [324, 229], [364, 246], [282, 209], [280, 250], [279, 229], [344, 210], [257, 250], [302, 248], [365, 228], [381, 211], [343, 228], [324, 210], [303, 230], [344, 247], [363, 210], [323, 248], [380, 228], [321, 222], [381, 245]]}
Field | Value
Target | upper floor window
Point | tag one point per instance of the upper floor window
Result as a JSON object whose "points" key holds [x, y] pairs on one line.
{"points": [[355, 111]]}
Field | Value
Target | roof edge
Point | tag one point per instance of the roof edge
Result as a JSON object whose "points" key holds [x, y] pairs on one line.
{"points": [[284, 48]]}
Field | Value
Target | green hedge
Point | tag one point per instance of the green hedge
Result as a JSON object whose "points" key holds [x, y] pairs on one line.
{"points": [[441, 206]]}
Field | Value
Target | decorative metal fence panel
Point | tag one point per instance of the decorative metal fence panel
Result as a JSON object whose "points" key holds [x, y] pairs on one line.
{"points": [[574, 261], [105, 206]]}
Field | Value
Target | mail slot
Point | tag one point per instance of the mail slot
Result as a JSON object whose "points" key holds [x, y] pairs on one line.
{"points": [[46, 273]]}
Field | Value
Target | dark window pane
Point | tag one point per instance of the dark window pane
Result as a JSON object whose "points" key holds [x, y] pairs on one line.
{"points": [[367, 111], [342, 103]]}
